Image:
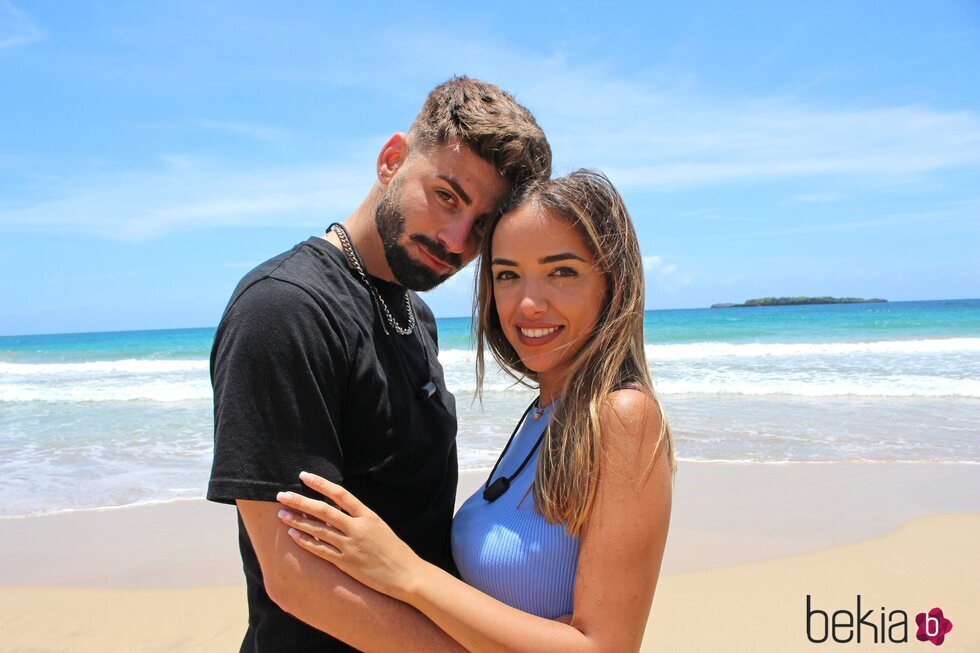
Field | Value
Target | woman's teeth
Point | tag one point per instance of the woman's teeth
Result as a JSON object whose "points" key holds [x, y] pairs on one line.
{"points": [[537, 333]]}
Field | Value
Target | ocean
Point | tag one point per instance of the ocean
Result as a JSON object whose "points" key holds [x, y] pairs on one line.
{"points": [[99, 420]]}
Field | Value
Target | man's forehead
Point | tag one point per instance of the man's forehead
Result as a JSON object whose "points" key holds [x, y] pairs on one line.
{"points": [[458, 164]]}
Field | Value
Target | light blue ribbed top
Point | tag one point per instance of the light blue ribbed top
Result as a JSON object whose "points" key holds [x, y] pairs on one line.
{"points": [[506, 548]]}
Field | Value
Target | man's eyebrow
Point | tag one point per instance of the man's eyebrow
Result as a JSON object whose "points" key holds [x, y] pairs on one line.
{"points": [[456, 187], [564, 256]]}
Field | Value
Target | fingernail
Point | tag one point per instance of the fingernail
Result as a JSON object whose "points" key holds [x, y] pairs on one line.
{"points": [[283, 496], [305, 475], [293, 532], [285, 514]]}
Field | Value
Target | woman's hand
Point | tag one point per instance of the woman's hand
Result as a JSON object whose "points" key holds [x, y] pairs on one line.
{"points": [[351, 536]]}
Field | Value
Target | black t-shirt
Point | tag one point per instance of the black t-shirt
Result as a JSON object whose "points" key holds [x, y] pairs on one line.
{"points": [[305, 378]]}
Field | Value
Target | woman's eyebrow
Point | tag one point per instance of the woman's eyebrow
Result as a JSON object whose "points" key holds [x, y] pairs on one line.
{"points": [[564, 256], [552, 258]]}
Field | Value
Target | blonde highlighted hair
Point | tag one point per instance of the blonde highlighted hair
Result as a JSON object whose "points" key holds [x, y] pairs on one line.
{"points": [[567, 475]]}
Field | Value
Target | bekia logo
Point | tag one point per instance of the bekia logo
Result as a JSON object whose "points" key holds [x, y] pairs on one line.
{"points": [[890, 626], [932, 626]]}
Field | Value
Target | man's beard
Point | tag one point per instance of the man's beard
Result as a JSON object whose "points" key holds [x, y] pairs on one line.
{"points": [[390, 221]]}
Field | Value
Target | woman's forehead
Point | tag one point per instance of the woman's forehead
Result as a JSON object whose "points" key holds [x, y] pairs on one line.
{"points": [[532, 229]]}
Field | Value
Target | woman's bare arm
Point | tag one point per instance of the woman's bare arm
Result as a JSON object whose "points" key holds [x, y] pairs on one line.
{"points": [[330, 600], [621, 550]]}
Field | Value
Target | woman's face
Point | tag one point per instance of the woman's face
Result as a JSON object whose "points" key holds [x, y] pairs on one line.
{"points": [[547, 288]]}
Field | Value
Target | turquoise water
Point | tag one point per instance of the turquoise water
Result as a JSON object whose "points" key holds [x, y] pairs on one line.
{"points": [[164, 344], [789, 324], [104, 419], [958, 318]]}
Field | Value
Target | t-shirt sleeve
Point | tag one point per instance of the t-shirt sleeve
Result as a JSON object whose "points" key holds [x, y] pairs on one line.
{"points": [[279, 372]]}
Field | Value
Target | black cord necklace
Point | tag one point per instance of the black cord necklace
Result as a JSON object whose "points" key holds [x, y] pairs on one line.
{"points": [[495, 490]]}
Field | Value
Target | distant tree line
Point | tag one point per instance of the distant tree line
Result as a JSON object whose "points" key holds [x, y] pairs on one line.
{"points": [[796, 301]]}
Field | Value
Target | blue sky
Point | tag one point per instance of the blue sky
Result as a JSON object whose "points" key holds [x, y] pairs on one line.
{"points": [[151, 153]]}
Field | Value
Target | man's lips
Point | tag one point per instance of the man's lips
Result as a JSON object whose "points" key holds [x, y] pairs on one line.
{"points": [[437, 264], [538, 335]]}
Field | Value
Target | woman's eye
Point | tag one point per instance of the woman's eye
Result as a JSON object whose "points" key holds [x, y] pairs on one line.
{"points": [[564, 272], [504, 275]]}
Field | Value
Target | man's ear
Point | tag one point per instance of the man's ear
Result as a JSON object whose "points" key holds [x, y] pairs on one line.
{"points": [[393, 155]]}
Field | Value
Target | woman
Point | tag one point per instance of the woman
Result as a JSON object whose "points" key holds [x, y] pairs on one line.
{"points": [[561, 549]]}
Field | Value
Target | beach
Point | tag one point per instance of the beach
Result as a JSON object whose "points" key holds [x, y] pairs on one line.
{"points": [[747, 544], [778, 200], [830, 451]]}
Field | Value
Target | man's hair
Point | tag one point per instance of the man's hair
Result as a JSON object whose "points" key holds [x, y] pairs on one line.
{"points": [[490, 122]]}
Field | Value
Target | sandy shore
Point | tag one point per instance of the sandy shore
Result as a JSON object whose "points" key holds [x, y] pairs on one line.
{"points": [[747, 544]]}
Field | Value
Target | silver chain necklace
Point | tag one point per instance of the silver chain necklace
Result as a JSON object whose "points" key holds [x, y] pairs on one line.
{"points": [[354, 261]]}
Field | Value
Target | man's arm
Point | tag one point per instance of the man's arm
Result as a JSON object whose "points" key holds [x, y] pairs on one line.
{"points": [[319, 594], [279, 373]]}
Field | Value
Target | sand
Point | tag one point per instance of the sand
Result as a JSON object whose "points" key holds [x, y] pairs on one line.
{"points": [[747, 544]]}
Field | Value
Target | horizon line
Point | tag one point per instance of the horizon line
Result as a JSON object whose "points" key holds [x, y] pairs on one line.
{"points": [[446, 317]]}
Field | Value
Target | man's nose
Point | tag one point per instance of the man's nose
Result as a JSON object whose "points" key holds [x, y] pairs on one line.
{"points": [[455, 235]]}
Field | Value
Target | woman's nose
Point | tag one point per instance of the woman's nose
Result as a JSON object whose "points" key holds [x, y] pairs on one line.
{"points": [[532, 302]]}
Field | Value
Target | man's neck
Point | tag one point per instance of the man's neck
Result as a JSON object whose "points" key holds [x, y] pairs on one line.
{"points": [[365, 238]]}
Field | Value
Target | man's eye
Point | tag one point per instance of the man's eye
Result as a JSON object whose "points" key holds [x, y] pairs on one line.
{"points": [[445, 197], [480, 226]]}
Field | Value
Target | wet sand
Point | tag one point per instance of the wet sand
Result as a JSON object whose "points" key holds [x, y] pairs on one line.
{"points": [[747, 544]]}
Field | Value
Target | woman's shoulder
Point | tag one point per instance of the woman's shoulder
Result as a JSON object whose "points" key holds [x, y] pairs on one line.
{"points": [[634, 429], [631, 409]]}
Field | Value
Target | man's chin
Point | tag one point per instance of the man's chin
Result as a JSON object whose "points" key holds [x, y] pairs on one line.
{"points": [[419, 277], [414, 274], [418, 283]]}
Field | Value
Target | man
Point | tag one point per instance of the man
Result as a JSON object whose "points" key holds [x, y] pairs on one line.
{"points": [[325, 361]]}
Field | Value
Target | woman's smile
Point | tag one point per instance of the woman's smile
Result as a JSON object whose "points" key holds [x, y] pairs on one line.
{"points": [[537, 336]]}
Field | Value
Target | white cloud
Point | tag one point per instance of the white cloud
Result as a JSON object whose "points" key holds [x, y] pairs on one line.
{"points": [[955, 217], [185, 193], [657, 136], [655, 265], [814, 198], [247, 130], [665, 277], [648, 136], [16, 27], [651, 263]]}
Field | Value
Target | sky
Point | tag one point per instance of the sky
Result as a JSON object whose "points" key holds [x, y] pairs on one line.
{"points": [[152, 153]]}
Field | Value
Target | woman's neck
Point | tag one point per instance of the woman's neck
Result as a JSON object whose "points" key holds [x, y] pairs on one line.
{"points": [[549, 389]]}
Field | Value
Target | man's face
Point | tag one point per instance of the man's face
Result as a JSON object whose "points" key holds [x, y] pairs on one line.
{"points": [[433, 214]]}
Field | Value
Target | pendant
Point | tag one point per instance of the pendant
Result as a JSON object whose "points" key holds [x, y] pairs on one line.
{"points": [[496, 489]]}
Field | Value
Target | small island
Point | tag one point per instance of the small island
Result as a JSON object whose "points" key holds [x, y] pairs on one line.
{"points": [[800, 301]]}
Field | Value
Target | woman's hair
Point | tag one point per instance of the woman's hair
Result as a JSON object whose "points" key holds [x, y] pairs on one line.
{"points": [[612, 359]]}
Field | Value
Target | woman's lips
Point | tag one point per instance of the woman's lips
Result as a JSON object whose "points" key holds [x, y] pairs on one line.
{"points": [[537, 336]]}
